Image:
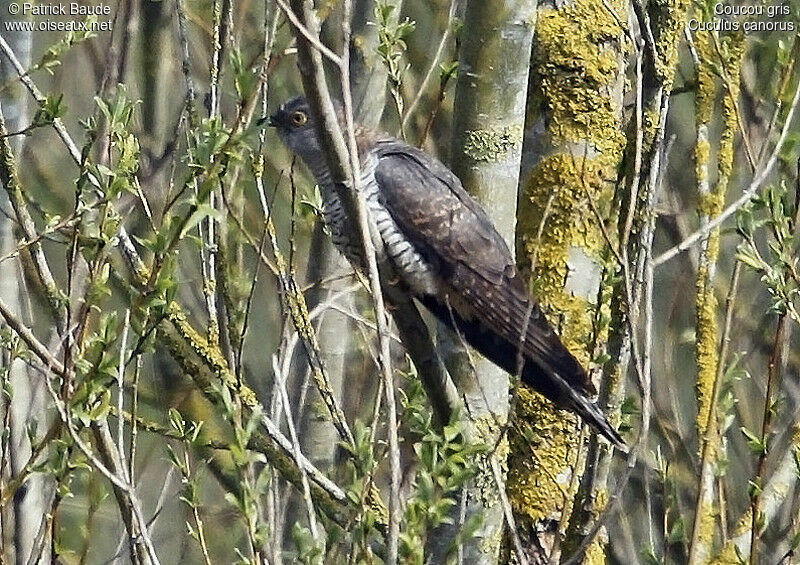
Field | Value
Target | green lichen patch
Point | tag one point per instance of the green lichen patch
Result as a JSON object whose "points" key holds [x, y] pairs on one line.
{"points": [[492, 144], [542, 458], [668, 20], [490, 545], [577, 59]]}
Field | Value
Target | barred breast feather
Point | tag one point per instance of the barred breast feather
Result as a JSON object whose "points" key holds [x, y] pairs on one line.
{"points": [[408, 263]]}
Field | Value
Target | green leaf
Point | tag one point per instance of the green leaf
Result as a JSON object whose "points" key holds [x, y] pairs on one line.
{"points": [[755, 443]]}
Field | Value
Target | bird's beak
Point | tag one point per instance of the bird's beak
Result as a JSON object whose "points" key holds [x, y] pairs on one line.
{"points": [[271, 121]]}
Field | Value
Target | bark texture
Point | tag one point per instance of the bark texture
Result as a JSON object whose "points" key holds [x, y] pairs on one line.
{"points": [[27, 405], [572, 148], [488, 121]]}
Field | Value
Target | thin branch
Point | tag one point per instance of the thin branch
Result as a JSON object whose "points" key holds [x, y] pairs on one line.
{"points": [[311, 36], [497, 475], [295, 306], [121, 390], [280, 378], [343, 164], [434, 64], [638, 291], [647, 33], [368, 230], [747, 195], [126, 244], [774, 368], [710, 428]]}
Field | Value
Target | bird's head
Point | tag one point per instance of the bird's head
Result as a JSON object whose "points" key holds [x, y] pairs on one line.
{"points": [[295, 125]]}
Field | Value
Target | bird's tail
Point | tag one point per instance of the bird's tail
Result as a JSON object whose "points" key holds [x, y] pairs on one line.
{"points": [[572, 399], [574, 396]]}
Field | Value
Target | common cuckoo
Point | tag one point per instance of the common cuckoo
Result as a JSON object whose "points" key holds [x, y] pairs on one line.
{"points": [[448, 255]]}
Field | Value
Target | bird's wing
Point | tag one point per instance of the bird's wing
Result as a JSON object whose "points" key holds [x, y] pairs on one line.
{"points": [[431, 207]]}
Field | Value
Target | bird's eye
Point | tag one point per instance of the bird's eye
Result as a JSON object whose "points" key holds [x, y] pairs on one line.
{"points": [[299, 118]]}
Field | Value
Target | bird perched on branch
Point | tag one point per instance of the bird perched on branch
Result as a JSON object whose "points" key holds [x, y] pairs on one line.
{"points": [[447, 254]]}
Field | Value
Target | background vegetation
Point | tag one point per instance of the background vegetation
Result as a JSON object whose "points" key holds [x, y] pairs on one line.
{"points": [[191, 373]]}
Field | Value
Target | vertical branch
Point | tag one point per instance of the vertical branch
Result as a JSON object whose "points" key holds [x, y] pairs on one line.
{"points": [[773, 369], [368, 236], [209, 262], [709, 362], [280, 377], [368, 87], [24, 396], [367, 73], [573, 144], [661, 26], [342, 159], [121, 393], [488, 122]]}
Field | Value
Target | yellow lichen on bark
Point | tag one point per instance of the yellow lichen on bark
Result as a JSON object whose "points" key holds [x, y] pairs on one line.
{"points": [[575, 64], [540, 468], [710, 205], [667, 19], [706, 327], [706, 336], [733, 53], [576, 70], [537, 485], [706, 81], [728, 555]]}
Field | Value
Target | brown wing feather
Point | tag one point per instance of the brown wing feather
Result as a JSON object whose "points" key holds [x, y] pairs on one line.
{"points": [[435, 212]]}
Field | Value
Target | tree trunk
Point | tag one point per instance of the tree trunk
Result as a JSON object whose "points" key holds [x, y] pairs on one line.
{"points": [[572, 150], [488, 120], [27, 405]]}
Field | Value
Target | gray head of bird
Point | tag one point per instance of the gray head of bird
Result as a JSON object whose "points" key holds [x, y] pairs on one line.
{"points": [[295, 124]]}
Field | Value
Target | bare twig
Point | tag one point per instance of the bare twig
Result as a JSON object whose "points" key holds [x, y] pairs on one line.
{"points": [[368, 230], [434, 64], [774, 367], [343, 164], [747, 195], [301, 25], [280, 378]]}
